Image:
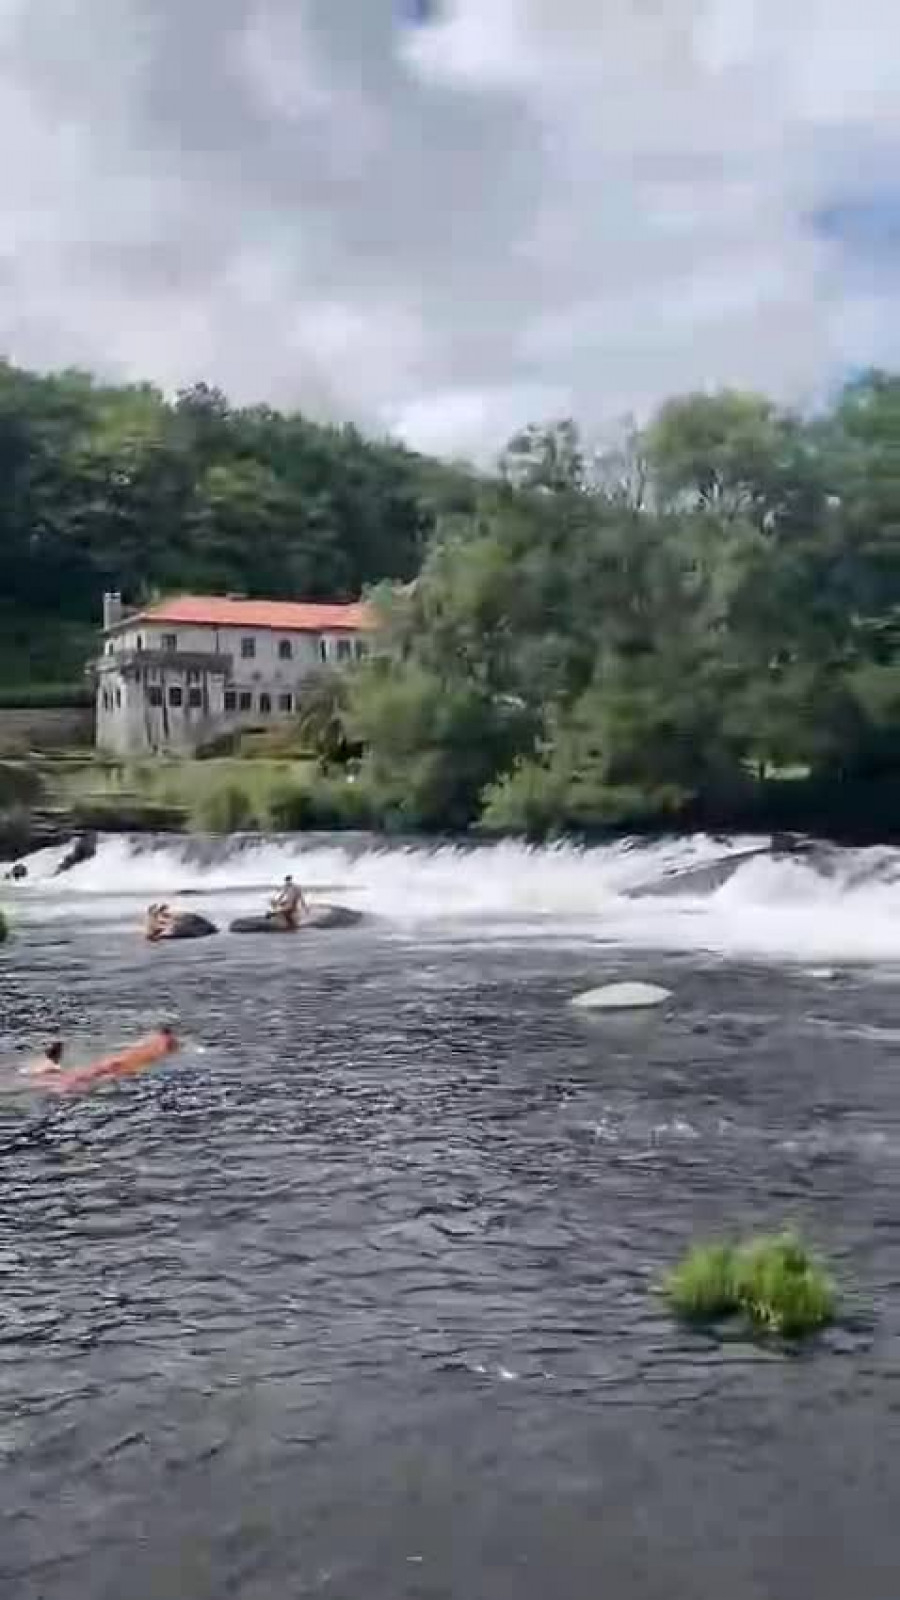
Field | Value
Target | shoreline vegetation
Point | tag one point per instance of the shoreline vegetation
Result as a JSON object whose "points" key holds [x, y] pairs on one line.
{"points": [[695, 627], [46, 801]]}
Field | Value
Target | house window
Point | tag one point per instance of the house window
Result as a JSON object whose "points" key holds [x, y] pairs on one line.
{"points": [[176, 695], [362, 649], [285, 650], [246, 700], [139, 642], [119, 699], [195, 699], [286, 702], [265, 704], [230, 700], [323, 649], [193, 675], [170, 642], [248, 648], [154, 695], [344, 649]]}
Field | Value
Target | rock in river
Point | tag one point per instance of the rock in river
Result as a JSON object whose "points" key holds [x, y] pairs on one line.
{"points": [[622, 997]]}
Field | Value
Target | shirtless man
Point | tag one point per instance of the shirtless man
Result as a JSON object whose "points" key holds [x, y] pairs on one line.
{"points": [[159, 921], [289, 902]]}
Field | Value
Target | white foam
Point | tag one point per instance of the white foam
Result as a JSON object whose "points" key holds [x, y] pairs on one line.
{"points": [[843, 908]]}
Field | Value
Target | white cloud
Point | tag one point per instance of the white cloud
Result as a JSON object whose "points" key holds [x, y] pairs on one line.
{"points": [[532, 206]]}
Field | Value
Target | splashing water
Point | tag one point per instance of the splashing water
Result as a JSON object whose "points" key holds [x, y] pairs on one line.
{"points": [[726, 897]]}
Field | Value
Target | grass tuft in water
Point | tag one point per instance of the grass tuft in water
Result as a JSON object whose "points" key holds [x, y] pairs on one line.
{"points": [[782, 1288], [772, 1280], [701, 1288]]}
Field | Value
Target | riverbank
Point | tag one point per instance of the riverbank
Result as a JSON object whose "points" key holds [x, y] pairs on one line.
{"points": [[45, 801]]}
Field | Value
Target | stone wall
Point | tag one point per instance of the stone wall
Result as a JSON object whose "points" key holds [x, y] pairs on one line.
{"points": [[45, 728]]}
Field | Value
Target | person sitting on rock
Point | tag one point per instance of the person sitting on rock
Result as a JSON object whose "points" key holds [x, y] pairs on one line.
{"points": [[159, 922], [288, 903]]}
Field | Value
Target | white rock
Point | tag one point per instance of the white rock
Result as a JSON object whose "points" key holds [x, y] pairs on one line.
{"points": [[622, 997]]}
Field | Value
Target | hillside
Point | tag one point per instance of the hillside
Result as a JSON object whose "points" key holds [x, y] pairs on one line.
{"points": [[117, 487]]}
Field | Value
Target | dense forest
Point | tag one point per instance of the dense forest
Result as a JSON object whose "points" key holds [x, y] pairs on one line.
{"points": [[702, 624], [117, 487]]}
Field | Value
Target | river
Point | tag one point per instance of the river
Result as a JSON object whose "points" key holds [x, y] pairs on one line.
{"points": [[357, 1296]]}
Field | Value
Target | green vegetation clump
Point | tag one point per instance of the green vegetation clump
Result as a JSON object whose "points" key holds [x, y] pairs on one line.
{"points": [[702, 1287], [228, 809], [773, 1281], [781, 1288], [20, 785], [43, 696]]}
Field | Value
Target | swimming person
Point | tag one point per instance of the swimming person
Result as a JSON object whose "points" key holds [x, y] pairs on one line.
{"points": [[49, 1063], [289, 902]]}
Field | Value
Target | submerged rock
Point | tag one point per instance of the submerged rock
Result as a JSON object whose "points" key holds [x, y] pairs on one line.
{"points": [[83, 849], [622, 997]]}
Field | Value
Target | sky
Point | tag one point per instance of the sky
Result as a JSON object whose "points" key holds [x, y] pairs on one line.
{"points": [[449, 218]]}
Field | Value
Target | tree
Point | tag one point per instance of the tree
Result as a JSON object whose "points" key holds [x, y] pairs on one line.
{"points": [[322, 717]]}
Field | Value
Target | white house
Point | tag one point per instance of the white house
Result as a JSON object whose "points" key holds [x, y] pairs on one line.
{"points": [[187, 669]]}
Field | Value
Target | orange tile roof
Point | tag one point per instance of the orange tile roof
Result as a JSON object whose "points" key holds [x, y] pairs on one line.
{"points": [[286, 616]]}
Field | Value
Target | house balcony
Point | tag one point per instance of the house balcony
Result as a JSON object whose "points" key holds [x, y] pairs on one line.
{"points": [[172, 663]]}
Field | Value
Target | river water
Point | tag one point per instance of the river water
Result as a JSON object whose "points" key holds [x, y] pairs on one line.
{"points": [[356, 1297]]}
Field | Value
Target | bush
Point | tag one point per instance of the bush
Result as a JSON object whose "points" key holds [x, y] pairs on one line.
{"points": [[45, 696], [20, 785], [325, 803], [226, 809], [289, 808], [773, 1281]]}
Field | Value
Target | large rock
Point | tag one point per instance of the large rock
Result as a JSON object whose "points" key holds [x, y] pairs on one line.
{"points": [[317, 917], [187, 925], [622, 997]]}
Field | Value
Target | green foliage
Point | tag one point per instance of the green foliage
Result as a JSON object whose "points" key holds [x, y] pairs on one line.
{"points": [[226, 809], [640, 635], [45, 696], [20, 785], [650, 636], [327, 803], [702, 1287], [772, 1280], [432, 744], [117, 487], [781, 1288], [321, 722]]}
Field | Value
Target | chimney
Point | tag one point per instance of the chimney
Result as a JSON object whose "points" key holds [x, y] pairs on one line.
{"points": [[112, 609]]}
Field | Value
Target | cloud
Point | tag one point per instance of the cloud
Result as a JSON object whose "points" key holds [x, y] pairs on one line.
{"points": [[450, 228]]}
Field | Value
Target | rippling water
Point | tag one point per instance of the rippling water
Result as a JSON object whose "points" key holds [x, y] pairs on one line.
{"points": [[356, 1297]]}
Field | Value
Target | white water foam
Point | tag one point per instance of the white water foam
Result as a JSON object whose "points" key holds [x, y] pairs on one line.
{"points": [[830, 906]]}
